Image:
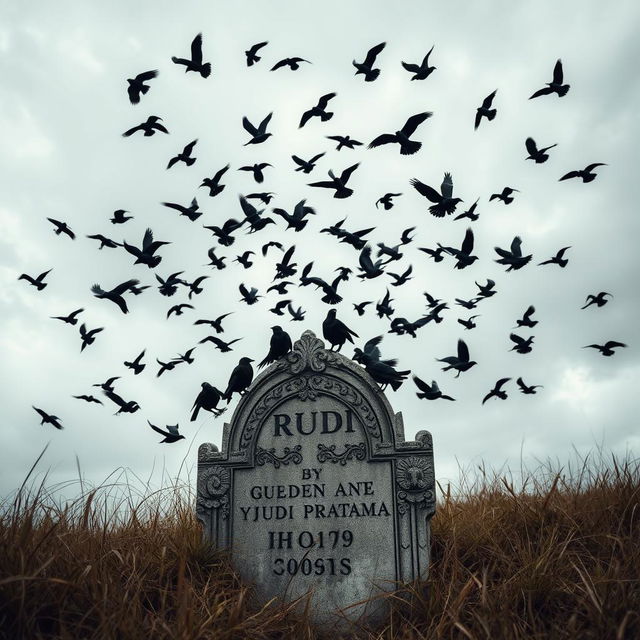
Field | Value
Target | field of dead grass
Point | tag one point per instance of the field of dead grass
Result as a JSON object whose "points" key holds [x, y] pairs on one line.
{"points": [[557, 557]]}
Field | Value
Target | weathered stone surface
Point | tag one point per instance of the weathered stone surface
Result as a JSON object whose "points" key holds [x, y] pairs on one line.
{"points": [[316, 491]]}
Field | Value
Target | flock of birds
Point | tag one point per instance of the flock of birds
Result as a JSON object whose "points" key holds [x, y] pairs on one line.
{"points": [[370, 265]]}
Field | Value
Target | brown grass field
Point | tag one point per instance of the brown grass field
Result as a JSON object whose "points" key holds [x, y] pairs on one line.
{"points": [[559, 557]]}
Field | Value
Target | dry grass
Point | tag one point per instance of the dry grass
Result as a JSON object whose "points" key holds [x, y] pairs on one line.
{"points": [[556, 558]]}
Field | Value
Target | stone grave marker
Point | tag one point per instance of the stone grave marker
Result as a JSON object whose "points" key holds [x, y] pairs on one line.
{"points": [[316, 491]]}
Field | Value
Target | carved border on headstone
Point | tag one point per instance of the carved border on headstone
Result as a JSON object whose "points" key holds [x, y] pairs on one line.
{"points": [[264, 456], [414, 479], [351, 452], [307, 353]]}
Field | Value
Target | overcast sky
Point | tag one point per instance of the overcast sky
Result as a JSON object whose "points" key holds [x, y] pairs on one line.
{"points": [[64, 105]]}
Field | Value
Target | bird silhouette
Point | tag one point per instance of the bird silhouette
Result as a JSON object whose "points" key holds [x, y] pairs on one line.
{"points": [[207, 400], [148, 127], [216, 261], [360, 306], [463, 254], [124, 406], [190, 212], [285, 268], [292, 63], [136, 365], [527, 390], [240, 378], [215, 324], [137, 86], [171, 435], [382, 371], [72, 318], [194, 287], [184, 156], [387, 200], [252, 52], [429, 392], [555, 86], [264, 197], [213, 184], [119, 217], [368, 268], [88, 336], [61, 227], [297, 220], [338, 183], [606, 349], [460, 362], [279, 345], [221, 345], [586, 174], [469, 322], [319, 111], [297, 315], [504, 195], [537, 155], [485, 110], [195, 62], [104, 241], [469, 213], [169, 286], [487, 290], [257, 170], [330, 291], [224, 234], [89, 399], [345, 141], [281, 287], [256, 220], [513, 259], [116, 295], [558, 259], [146, 255], [178, 309], [366, 67], [279, 307], [420, 71], [599, 299], [336, 332], [306, 166], [497, 391], [400, 279], [445, 203], [383, 307], [258, 134], [249, 296], [48, 419], [526, 320], [38, 282], [402, 136], [245, 259], [520, 344]]}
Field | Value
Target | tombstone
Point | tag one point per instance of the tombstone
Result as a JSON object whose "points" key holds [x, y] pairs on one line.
{"points": [[316, 491]]}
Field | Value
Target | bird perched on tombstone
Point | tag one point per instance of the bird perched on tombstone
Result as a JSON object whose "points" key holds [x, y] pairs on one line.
{"points": [[460, 362], [38, 282], [171, 435], [606, 349], [497, 391], [599, 300], [258, 134], [402, 136], [148, 127], [207, 400], [48, 419], [240, 378], [587, 174], [485, 110], [116, 295], [445, 203], [319, 111], [537, 155], [195, 63], [382, 371], [366, 67], [420, 71], [137, 86], [335, 331], [429, 392], [555, 86], [279, 345], [252, 53]]}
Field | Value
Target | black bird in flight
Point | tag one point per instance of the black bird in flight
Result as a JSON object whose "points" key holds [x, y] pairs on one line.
{"points": [[245, 259], [497, 391], [171, 435], [259, 134], [214, 183], [382, 371], [467, 304], [185, 357], [257, 170], [61, 227], [555, 86], [335, 331], [319, 111], [469, 323], [461, 362], [130, 406], [429, 392], [240, 378], [387, 200], [215, 324], [285, 268], [220, 345], [599, 300], [431, 301], [107, 385], [586, 174], [264, 197], [249, 296], [400, 279], [606, 349], [297, 220], [520, 344], [194, 287], [178, 309], [104, 241], [190, 212], [207, 400], [361, 306], [195, 63], [146, 254], [487, 290], [306, 166], [216, 261], [224, 234], [279, 345], [252, 52], [469, 213], [345, 141], [136, 365], [292, 63], [526, 320], [436, 254], [169, 286], [338, 183], [88, 399], [72, 317], [184, 156], [281, 287], [166, 366], [384, 308], [38, 282], [119, 217], [505, 195], [256, 220], [537, 155], [149, 127], [527, 390], [485, 110], [88, 336], [463, 255], [137, 86], [405, 238], [513, 258], [558, 259], [330, 291], [116, 295], [368, 268], [366, 67], [420, 71], [402, 136], [297, 315], [49, 419], [445, 203]]}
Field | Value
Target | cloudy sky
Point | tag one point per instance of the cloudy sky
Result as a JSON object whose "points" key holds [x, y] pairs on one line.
{"points": [[63, 107]]}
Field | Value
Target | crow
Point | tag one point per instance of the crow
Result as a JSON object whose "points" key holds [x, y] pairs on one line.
{"points": [[251, 53], [214, 183], [369, 268], [104, 241], [338, 183], [586, 174], [400, 279], [137, 85], [136, 365], [88, 399], [119, 217], [335, 331], [402, 136], [486, 290], [436, 254], [245, 259], [248, 296], [257, 170], [88, 337], [306, 166], [429, 392], [526, 320], [606, 349], [296, 220], [171, 435], [178, 309], [216, 324], [386, 200], [185, 357], [240, 379], [195, 62], [279, 345], [345, 141], [513, 258], [384, 308], [49, 419], [330, 291], [320, 110], [224, 234], [537, 155], [463, 255], [382, 371], [497, 391], [527, 390], [461, 362], [469, 323], [285, 268], [485, 110], [292, 63], [421, 71], [264, 197], [520, 344], [116, 294], [221, 345], [558, 259], [149, 127], [366, 67], [279, 307], [259, 134], [125, 406], [194, 287], [61, 227], [190, 212], [505, 195], [555, 86], [72, 317], [146, 255], [207, 400], [281, 287], [38, 282], [253, 216], [469, 213], [599, 300], [166, 366], [444, 202], [184, 155], [361, 306], [297, 315], [268, 245], [169, 286]]}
